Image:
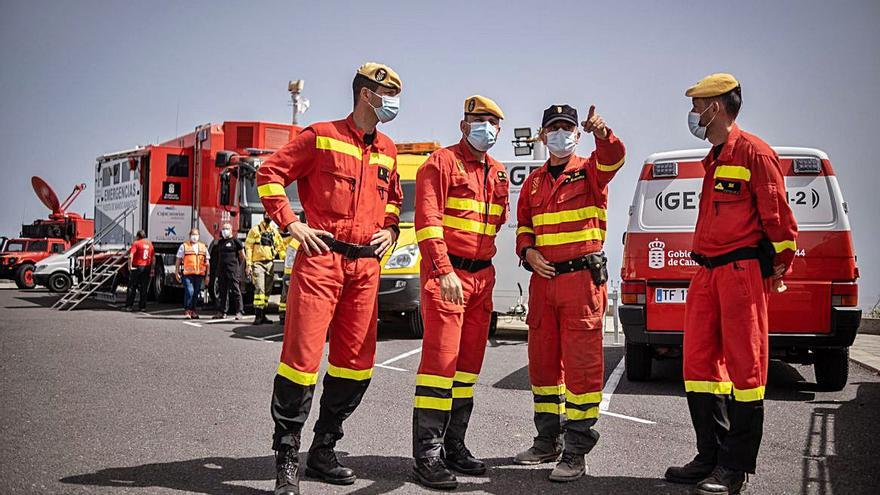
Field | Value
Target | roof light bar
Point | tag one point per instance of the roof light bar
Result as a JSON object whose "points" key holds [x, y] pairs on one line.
{"points": [[665, 169], [807, 166]]}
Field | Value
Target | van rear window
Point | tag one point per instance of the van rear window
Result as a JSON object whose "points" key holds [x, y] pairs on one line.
{"points": [[177, 166]]}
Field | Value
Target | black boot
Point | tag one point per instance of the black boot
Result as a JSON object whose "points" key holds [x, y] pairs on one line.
{"points": [[323, 463], [723, 481], [456, 456], [286, 472], [432, 473], [710, 419], [264, 317], [691, 472], [258, 316], [281, 318]]}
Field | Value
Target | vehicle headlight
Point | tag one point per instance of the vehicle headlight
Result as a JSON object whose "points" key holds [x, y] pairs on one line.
{"points": [[11, 260], [403, 257], [40, 267]]}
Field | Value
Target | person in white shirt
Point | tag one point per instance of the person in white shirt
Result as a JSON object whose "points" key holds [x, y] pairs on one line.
{"points": [[192, 263]]}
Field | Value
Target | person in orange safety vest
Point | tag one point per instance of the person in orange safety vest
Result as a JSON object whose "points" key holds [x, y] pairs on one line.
{"points": [[193, 260], [461, 202], [744, 242], [561, 219], [346, 174]]}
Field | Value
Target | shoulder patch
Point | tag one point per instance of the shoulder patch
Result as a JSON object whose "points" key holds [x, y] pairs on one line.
{"points": [[502, 175]]}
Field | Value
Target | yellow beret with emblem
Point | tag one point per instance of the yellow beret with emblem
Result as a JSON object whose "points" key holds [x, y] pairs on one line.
{"points": [[480, 105], [382, 74], [712, 85]]}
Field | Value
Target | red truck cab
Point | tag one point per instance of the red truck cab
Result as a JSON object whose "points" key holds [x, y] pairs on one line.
{"points": [[20, 256], [814, 321]]}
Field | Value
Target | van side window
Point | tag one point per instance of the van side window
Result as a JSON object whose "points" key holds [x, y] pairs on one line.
{"points": [[57, 248], [177, 166]]}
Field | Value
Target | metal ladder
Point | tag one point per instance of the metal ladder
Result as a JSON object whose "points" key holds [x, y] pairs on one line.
{"points": [[94, 277]]}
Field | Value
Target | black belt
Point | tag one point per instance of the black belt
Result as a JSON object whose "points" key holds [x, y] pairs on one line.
{"points": [[469, 265], [746, 253], [349, 250], [575, 265]]}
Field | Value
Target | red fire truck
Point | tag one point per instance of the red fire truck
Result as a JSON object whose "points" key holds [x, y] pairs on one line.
{"points": [[198, 180], [44, 237], [814, 321]]}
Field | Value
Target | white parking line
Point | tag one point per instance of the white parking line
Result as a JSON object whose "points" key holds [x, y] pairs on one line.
{"points": [[624, 416], [198, 325], [608, 392], [401, 356], [393, 368], [169, 310], [221, 320]]}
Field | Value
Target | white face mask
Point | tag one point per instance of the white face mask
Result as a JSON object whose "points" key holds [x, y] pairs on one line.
{"points": [[699, 131], [561, 143], [226, 233], [194, 238], [482, 135]]}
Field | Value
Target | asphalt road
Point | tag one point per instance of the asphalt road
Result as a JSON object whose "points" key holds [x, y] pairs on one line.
{"points": [[101, 401]]}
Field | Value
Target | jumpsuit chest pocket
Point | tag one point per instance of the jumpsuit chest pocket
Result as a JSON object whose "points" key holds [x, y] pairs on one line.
{"points": [[730, 197], [461, 186], [500, 196], [573, 193], [337, 191]]}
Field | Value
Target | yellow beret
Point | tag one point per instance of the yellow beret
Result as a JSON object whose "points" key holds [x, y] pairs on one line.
{"points": [[479, 105], [712, 85], [382, 74]]}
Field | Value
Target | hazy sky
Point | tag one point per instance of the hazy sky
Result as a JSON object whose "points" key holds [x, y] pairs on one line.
{"points": [[82, 78]]}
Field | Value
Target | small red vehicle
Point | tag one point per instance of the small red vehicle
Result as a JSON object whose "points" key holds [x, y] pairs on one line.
{"points": [[44, 237], [814, 321]]}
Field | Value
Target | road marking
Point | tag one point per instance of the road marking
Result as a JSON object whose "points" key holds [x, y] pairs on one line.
{"points": [[160, 311], [401, 356], [390, 367], [608, 392], [192, 324], [624, 416], [273, 336], [219, 320]]}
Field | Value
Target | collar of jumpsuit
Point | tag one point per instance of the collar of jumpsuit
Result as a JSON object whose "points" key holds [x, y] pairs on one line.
{"points": [[727, 150]]}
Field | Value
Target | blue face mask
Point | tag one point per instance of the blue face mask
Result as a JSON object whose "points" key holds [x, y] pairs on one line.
{"points": [[389, 108], [482, 135]]}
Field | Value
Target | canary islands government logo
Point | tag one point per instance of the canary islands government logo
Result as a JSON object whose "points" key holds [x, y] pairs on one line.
{"points": [[656, 254]]}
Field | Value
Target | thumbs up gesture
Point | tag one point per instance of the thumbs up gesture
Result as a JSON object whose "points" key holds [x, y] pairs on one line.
{"points": [[595, 124]]}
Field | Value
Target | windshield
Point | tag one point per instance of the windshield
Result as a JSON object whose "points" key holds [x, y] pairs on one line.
{"points": [[408, 208], [14, 246], [32, 246], [252, 197]]}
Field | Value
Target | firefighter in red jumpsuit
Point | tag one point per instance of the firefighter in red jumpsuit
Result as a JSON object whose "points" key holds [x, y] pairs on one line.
{"points": [[744, 242], [346, 174], [561, 230], [461, 202]]}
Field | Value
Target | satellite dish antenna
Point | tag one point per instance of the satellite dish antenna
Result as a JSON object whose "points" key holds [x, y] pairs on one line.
{"points": [[46, 194]]}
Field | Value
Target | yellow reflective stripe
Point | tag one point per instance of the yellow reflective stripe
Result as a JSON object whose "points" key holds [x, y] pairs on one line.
{"points": [[611, 168], [576, 414], [433, 381], [330, 144], [296, 376], [732, 172], [429, 233], [473, 205], [294, 243], [349, 374], [469, 225], [587, 398], [382, 160], [282, 307], [420, 402], [569, 216], [288, 271], [549, 408], [549, 390], [260, 297], [465, 377], [567, 237], [749, 394], [389, 208], [783, 245], [720, 388], [525, 230], [271, 189], [462, 392]]}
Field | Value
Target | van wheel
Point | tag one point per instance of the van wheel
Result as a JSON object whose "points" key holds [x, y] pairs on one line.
{"points": [[639, 358], [24, 276], [415, 323], [832, 368], [493, 324], [60, 282]]}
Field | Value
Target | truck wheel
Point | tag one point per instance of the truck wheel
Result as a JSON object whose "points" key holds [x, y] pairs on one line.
{"points": [[832, 368], [416, 325], [24, 276], [639, 358], [60, 282], [493, 324]]}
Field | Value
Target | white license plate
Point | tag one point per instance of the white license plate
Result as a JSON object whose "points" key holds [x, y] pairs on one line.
{"points": [[670, 295]]}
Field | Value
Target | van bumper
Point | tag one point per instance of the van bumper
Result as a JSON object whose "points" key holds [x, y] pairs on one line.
{"points": [[399, 293], [42, 279], [844, 326]]}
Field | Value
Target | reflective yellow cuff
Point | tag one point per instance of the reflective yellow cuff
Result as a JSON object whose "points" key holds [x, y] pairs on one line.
{"points": [[462, 392], [271, 189], [465, 377], [296, 376], [749, 394], [433, 381], [579, 399], [576, 414], [611, 168], [429, 233], [525, 230], [389, 208], [783, 245], [438, 404], [549, 408], [732, 172], [718, 388], [349, 374], [549, 390]]}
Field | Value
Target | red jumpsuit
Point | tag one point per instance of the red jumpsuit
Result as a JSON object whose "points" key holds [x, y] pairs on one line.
{"points": [[351, 189], [564, 219], [725, 340], [460, 205]]}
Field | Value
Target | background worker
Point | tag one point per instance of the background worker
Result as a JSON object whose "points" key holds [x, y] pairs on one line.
{"points": [[140, 268], [560, 234], [290, 247], [262, 244], [346, 173], [192, 261], [744, 242], [230, 252], [461, 202]]}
